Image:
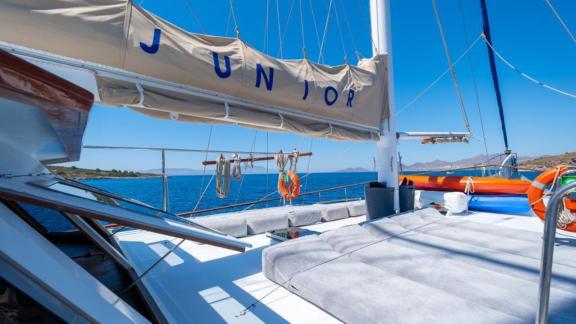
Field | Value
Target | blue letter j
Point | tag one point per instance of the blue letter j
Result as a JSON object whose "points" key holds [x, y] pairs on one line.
{"points": [[152, 49]]}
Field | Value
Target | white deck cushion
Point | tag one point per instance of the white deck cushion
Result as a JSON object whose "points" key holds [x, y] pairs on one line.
{"points": [[266, 221], [304, 215], [421, 267], [357, 208], [233, 224], [333, 212]]}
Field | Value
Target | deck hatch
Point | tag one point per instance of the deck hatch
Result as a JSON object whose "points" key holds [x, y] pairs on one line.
{"points": [[48, 191]]}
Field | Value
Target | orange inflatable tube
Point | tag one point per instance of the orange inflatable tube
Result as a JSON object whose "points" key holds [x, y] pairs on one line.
{"points": [[478, 185]]}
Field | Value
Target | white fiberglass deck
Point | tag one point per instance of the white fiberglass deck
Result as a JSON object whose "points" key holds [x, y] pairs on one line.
{"points": [[200, 283]]}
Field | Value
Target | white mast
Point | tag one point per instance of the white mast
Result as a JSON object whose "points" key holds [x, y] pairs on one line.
{"points": [[387, 147]]}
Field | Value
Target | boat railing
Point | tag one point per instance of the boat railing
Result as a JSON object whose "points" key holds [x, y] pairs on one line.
{"points": [[162, 151], [246, 205], [552, 210], [250, 204]]}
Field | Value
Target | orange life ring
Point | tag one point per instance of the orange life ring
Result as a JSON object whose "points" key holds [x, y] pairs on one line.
{"points": [[536, 192], [289, 185]]}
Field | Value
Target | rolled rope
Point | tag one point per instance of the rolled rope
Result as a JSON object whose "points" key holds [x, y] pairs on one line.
{"points": [[222, 177]]}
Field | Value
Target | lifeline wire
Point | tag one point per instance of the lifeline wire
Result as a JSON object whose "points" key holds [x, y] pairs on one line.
{"points": [[517, 70], [433, 83], [557, 15]]}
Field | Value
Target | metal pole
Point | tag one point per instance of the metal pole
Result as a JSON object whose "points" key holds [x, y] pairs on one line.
{"points": [[548, 252], [165, 197], [387, 146]]}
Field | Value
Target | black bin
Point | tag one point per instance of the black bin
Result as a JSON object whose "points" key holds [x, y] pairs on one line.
{"points": [[406, 198], [379, 200]]}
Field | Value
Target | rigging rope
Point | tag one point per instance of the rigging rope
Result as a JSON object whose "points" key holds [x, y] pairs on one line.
{"points": [[266, 26], [517, 70], [347, 21], [279, 29], [194, 15], [288, 21], [442, 75], [204, 168], [236, 28], [340, 34], [314, 22], [473, 74], [451, 66], [325, 31], [302, 30], [267, 162], [251, 163], [308, 165], [557, 15]]}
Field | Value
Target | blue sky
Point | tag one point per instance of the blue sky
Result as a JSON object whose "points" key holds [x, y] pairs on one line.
{"points": [[524, 31]]}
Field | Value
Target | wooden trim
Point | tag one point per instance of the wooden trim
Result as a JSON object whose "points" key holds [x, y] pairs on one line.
{"points": [[25, 82], [65, 104]]}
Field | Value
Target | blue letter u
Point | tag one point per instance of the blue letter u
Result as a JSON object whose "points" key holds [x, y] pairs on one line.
{"points": [[218, 70], [152, 49]]}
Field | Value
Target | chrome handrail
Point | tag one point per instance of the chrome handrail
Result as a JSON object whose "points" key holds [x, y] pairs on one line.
{"points": [[548, 251]]}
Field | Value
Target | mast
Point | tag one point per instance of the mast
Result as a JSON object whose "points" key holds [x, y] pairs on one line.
{"points": [[387, 146], [494, 72]]}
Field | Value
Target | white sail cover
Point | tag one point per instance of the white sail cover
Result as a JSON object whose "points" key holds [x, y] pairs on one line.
{"points": [[244, 86]]}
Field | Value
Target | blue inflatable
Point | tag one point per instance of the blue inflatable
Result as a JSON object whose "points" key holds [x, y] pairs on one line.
{"points": [[504, 204]]}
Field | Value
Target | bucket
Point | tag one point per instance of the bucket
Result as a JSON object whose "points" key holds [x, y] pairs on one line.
{"points": [[379, 200]]}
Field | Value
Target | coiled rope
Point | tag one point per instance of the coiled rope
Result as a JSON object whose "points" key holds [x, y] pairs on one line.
{"points": [[222, 177], [237, 168]]}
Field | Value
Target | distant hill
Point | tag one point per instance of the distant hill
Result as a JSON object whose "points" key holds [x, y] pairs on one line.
{"points": [[527, 161], [356, 169], [80, 173], [547, 161], [440, 164], [209, 170]]}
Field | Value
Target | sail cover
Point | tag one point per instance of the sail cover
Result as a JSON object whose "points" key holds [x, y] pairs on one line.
{"points": [[166, 72]]}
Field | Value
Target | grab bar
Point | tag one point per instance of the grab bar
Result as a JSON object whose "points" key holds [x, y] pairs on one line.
{"points": [[548, 251]]}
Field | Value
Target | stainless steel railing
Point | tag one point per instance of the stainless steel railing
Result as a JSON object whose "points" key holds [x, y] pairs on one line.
{"points": [[163, 150], [548, 251]]}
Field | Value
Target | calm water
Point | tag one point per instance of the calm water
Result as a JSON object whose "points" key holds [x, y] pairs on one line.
{"points": [[185, 191]]}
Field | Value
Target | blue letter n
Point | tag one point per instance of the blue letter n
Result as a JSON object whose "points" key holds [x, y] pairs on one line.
{"points": [[260, 73]]}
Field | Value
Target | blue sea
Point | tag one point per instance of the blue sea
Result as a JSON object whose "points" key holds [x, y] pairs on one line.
{"points": [[185, 191]]}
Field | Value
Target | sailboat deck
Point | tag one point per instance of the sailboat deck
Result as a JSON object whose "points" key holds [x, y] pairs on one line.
{"points": [[201, 283]]}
